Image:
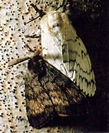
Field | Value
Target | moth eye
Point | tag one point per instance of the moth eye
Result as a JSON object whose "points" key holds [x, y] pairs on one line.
{"points": [[53, 26], [58, 25]]}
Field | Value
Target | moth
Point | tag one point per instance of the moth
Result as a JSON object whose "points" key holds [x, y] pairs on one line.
{"points": [[49, 92], [62, 47], [59, 80]]}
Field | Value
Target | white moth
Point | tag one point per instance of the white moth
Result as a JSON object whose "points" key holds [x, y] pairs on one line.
{"points": [[65, 50]]}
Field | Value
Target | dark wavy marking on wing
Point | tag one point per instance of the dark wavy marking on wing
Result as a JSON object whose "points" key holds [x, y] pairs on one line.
{"points": [[48, 91], [38, 104]]}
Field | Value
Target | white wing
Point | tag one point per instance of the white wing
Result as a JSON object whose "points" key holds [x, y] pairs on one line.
{"points": [[66, 51]]}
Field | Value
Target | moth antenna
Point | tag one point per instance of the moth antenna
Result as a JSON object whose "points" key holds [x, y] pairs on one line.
{"points": [[19, 60], [41, 13], [37, 52], [32, 36], [32, 19], [63, 5]]}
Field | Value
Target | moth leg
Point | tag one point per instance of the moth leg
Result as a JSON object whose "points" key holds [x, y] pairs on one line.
{"points": [[63, 115], [63, 5], [37, 36], [36, 51], [41, 13], [33, 36]]}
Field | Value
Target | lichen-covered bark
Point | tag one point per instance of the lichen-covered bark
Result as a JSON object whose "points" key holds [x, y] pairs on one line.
{"points": [[90, 23]]}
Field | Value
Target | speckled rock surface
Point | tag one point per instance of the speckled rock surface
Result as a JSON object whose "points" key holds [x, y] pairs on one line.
{"points": [[14, 44]]}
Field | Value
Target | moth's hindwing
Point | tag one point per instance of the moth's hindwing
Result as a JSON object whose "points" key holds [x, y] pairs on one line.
{"points": [[48, 91]]}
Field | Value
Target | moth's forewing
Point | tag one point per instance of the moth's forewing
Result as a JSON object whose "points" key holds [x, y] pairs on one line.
{"points": [[48, 91], [67, 98], [66, 51], [38, 103]]}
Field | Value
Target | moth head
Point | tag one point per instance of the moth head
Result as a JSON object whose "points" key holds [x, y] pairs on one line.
{"points": [[36, 65], [54, 21]]}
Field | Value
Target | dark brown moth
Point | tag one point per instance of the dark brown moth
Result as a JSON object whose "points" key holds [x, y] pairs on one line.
{"points": [[49, 92]]}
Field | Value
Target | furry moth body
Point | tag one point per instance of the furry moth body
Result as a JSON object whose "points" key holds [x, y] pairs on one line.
{"points": [[49, 92], [66, 51]]}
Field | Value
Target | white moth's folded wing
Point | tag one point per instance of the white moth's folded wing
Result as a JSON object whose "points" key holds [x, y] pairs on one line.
{"points": [[77, 61], [66, 51]]}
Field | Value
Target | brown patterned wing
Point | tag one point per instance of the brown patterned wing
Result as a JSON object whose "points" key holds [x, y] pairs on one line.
{"points": [[67, 98], [38, 104], [51, 91]]}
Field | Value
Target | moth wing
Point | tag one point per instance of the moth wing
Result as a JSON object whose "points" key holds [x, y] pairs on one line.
{"points": [[38, 104], [73, 59], [77, 61], [66, 97], [49, 91]]}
